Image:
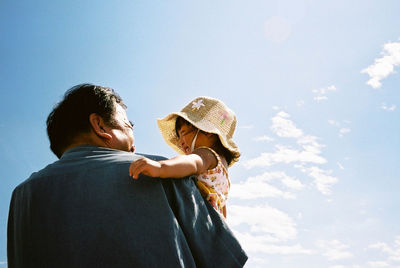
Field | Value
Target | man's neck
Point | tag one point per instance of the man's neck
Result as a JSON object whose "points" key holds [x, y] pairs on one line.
{"points": [[86, 139]]}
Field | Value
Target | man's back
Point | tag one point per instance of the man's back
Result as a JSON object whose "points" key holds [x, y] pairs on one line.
{"points": [[85, 211]]}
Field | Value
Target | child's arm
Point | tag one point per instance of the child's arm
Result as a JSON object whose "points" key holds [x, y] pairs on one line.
{"points": [[198, 162]]}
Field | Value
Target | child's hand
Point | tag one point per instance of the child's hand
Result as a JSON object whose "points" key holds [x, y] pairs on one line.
{"points": [[145, 166]]}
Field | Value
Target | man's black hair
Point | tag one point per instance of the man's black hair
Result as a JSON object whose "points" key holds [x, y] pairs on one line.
{"points": [[70, 117]]}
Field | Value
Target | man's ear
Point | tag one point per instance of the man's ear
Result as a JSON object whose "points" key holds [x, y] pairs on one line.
{"points": [[98, 126]]}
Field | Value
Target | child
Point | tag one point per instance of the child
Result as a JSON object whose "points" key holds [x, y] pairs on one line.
{"points": [[202, 131]]}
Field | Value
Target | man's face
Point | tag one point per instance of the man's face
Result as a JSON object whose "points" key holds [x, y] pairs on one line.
{"points": [[122, 132]]}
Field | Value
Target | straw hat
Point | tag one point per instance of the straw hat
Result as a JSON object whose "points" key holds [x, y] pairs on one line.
{"points": [[207, 114]]}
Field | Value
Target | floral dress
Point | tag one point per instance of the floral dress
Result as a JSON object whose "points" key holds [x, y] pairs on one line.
{"points": [[214, 185]]}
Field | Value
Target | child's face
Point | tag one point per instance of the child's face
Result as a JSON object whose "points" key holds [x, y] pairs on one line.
{"points": [[186, 135]]}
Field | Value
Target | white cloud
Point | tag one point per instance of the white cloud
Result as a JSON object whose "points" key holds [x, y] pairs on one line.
{"points": [[300, 103], [273, 224], [381, 246], [246, 127], [320, 98], [259, 186], [322, 92], [264, 138], [275, 108], [253, 189], [292, 183], [334, 123], [393, 252], [388, 108], [334, 250], [322, 178], [340, 166], [310, 144], [256, 262], [283, 127], [383, 66], [378, 264], [284, 154], [325, 90], [308, 153], [258, 244], [343, 131]]}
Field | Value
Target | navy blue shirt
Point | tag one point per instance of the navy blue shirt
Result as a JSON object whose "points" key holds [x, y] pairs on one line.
{"points": [[85, 211]]}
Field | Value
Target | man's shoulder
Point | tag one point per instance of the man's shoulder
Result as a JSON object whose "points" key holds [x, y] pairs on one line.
{"points": [[86, 158], [84, 153], [153, 157], [120, 156]]}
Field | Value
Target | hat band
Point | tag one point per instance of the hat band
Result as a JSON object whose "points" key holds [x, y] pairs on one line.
{"points": [[194, 141]]}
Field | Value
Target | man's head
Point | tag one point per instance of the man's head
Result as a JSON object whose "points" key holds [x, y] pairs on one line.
{"points": [[89, 114]]}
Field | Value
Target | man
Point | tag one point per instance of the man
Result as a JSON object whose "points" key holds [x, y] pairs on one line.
{"points": [[85, 211]]}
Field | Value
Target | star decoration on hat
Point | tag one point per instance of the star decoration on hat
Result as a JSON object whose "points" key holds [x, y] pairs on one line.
{"points": [[197, 104]]}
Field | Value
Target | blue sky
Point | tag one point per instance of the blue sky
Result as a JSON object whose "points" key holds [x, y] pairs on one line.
{"points": [[314, 84]]}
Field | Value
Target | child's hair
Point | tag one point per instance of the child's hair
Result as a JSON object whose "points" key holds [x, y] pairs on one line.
{"points": [[219, 148]]}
